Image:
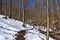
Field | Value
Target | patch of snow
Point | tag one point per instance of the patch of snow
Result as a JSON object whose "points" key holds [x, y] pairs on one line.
{"points": [[8, 28], [3, 25], [2, 37], [29, 26], [2, 16], [44, 29], [35, 35], [13, 24]]}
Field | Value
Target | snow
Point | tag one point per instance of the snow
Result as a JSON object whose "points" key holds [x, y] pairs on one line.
{"points": [[44, 29], [2, 16], [35, 35], [9, 27]]}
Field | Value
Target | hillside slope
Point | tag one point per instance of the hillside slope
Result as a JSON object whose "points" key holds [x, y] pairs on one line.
{"points": [[9, 27]]}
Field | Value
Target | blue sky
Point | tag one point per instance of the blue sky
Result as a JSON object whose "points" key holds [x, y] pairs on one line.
{"points": [[31, 2]]}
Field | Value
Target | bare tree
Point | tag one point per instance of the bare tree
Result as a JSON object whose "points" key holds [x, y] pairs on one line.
{"points": [[57, 8], [5, 9], [47, 37], [58, 15], [10, 11], [24, 12], [19, 9], [0, 5]]}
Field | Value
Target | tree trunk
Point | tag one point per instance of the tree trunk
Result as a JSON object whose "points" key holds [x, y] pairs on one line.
{"points": [[24, 12], [5, 9], [47, 37], [0, 6], [10, 11]]}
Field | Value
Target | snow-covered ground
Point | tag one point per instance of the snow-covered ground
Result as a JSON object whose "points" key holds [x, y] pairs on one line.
{"points": [[9, 27]]}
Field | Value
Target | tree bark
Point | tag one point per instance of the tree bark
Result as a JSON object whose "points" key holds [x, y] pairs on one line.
{"points": [[24, 12], [0, 6], [47, 37], [10, 11], [5, 9]]}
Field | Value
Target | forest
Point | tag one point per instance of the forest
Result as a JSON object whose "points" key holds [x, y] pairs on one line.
{"points": [[33, 12]]}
